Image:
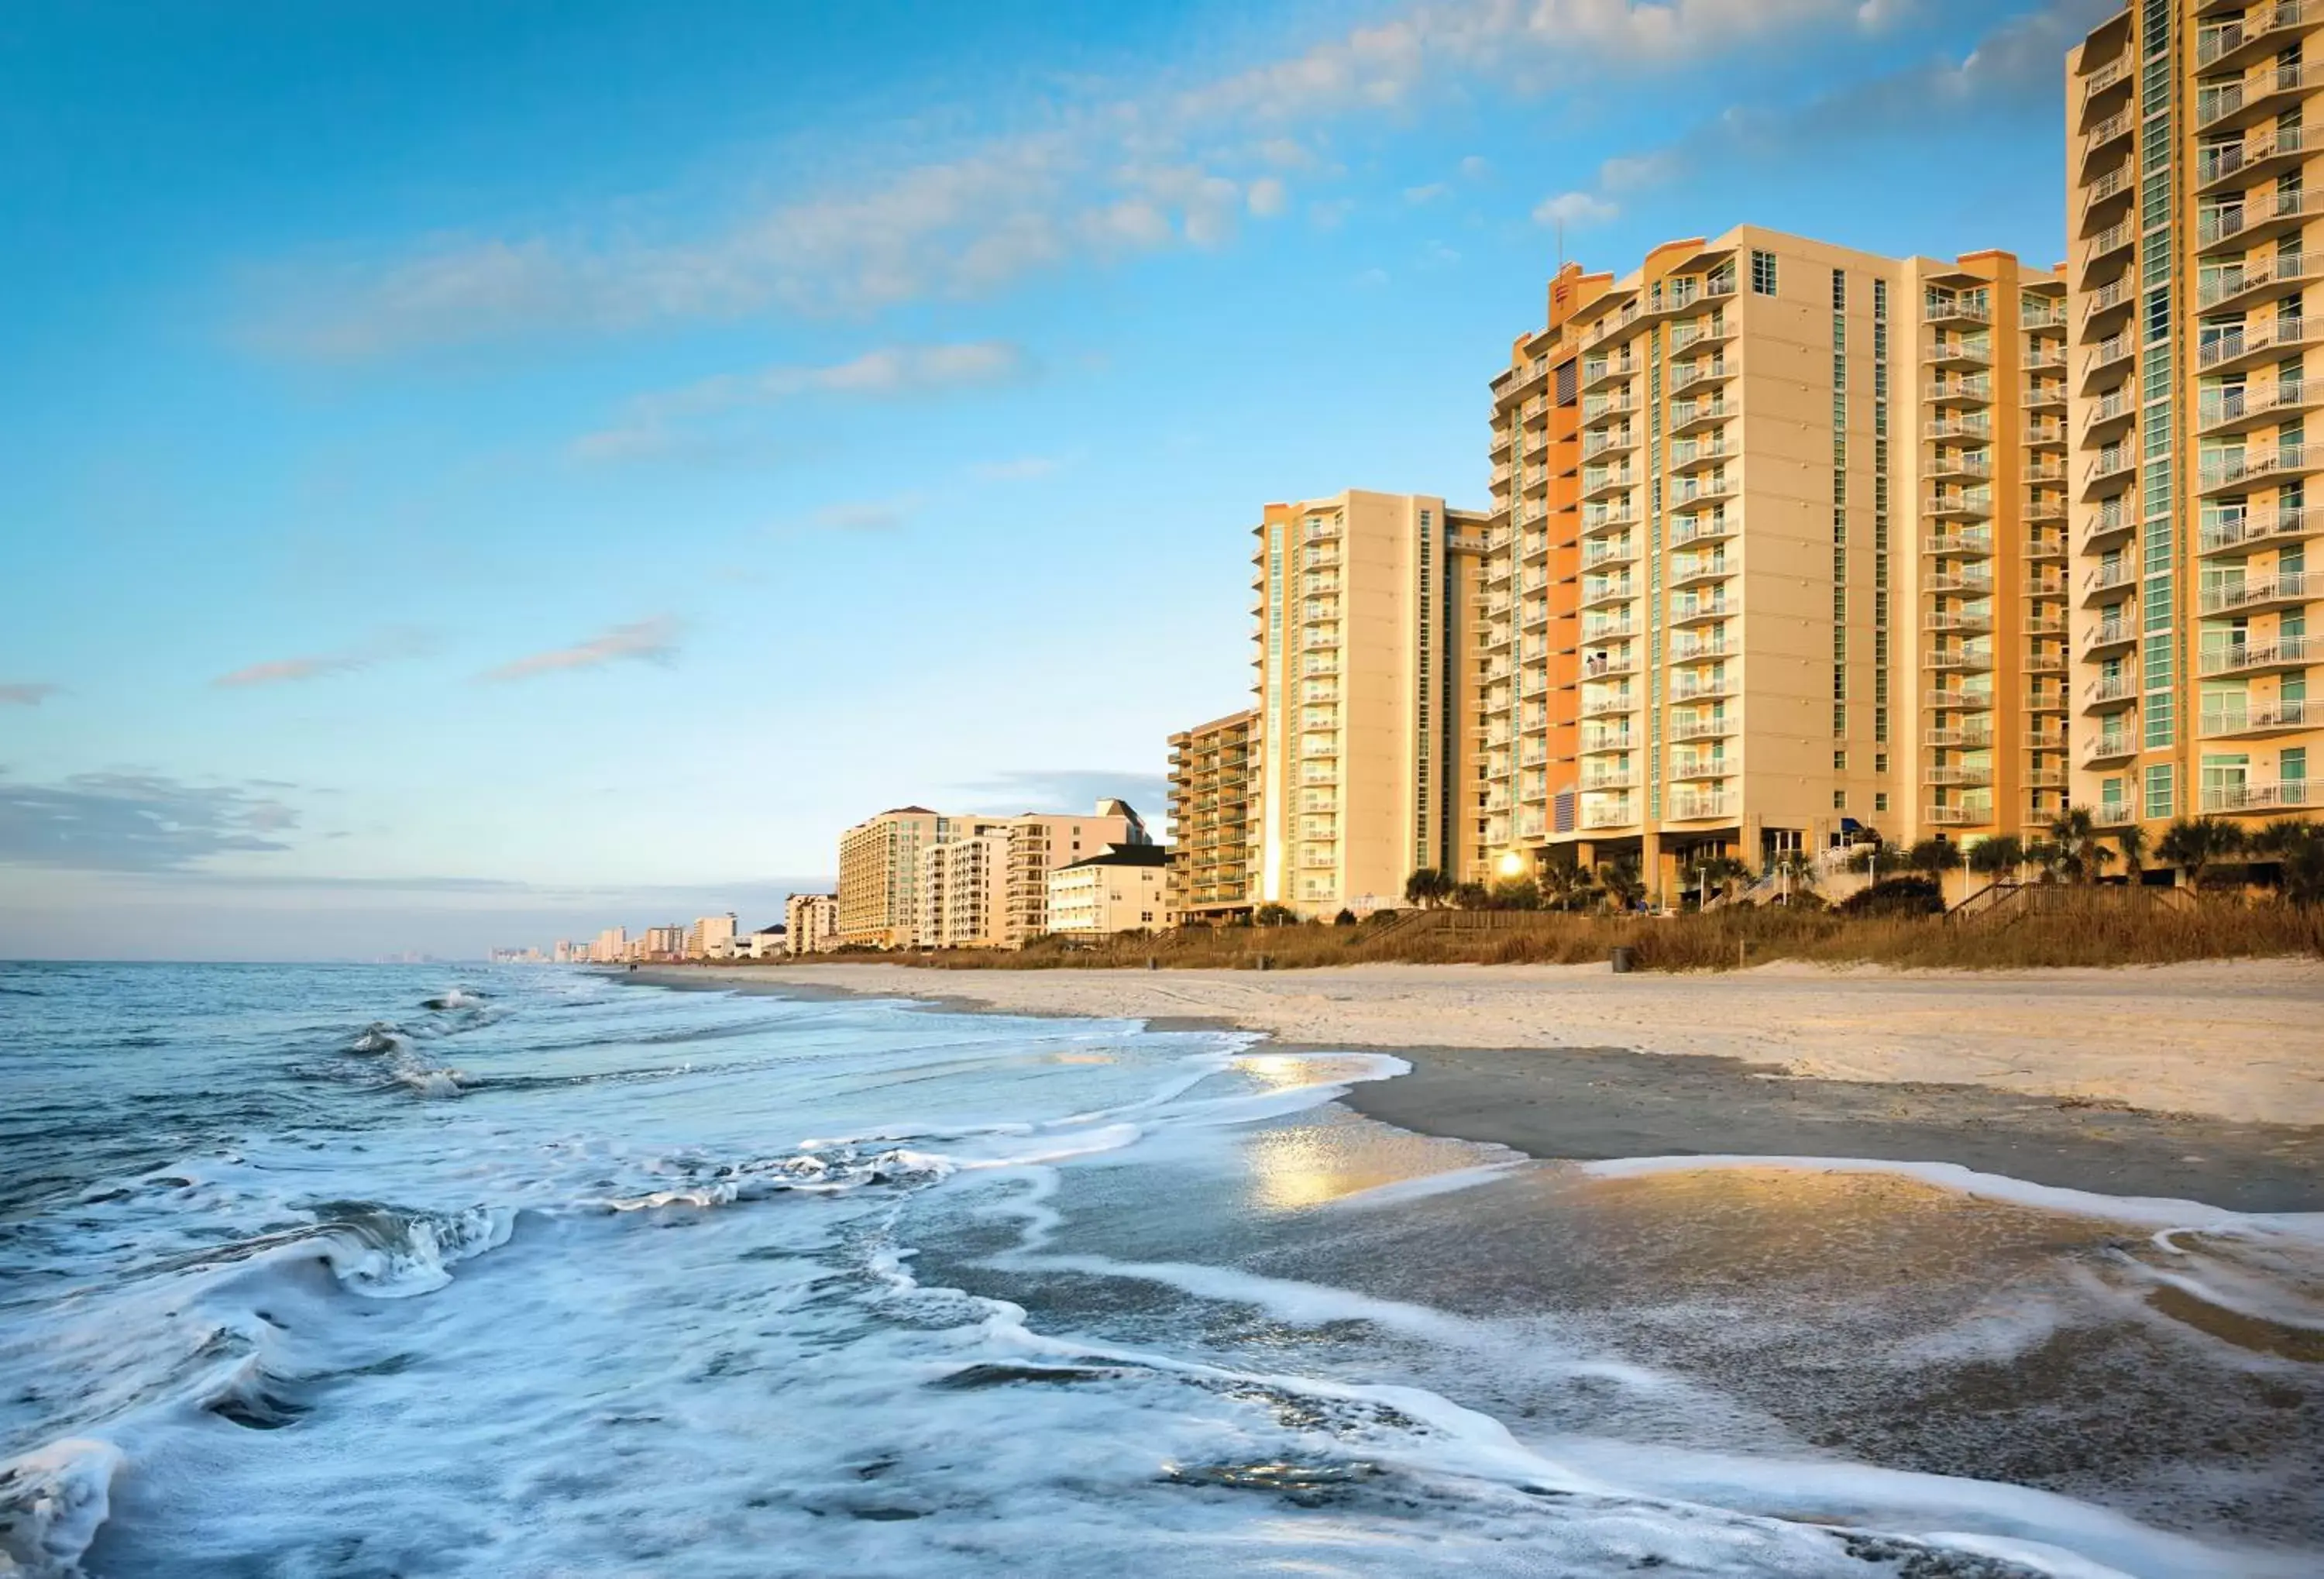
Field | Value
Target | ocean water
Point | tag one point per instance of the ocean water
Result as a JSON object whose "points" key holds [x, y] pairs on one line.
{"points": [[373, 1271]]}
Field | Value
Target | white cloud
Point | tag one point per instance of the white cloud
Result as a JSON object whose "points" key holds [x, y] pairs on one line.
{"points": [[649, 641], [1476, 167], [1107, 179], [1574, 209], [1268, 197], [649, 425], [865, 515], [1426, 194]]}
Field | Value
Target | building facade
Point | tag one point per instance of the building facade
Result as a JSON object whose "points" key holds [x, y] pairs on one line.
{"points": [[1211, 806], [1040, 843], [2189, 210], [1124, 889], [964, 890], [880, 875], [1775, 554], [1358, 598], [811, 923]]}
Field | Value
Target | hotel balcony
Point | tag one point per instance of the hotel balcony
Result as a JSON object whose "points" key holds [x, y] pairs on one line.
{"points": [[2055, 701], [1699, 728], [1698, 529], [2042, 394], [2042, 547], [1960, 463], [1686, 647], [1958, 503], [1964, 739], [1964, 352], [2255, 405], [1689, 569], [1696, 769], [1701, 371], [1605, 408], [1973, 390], [2109, 692], [2116, 406], [1618, 814], [2262, 96], [1714, 329], [1607, 628], [2265, 151], [2048, 468], [2043, 506], [1598, 739], [2115, 296], [1599, 552], [1973, 622], [1959, 544], [1693, 416], [1957, 660], [1957, 777], [1953, 817], [2259, 468], [1978, 585], [1599, 481], [1686, 491], [2262, 29], [1956, 310], [2262, 657], [1617, 704], [2102, 78], [1976, 427], [1687, 454], [1597, 592], [1609, 441], [2042, 312], [2290, 795], [2044, 663], [2099, 141], [1687, 688], [2045, 778], [2285, 589], [2253, 529], [2107, 635], [1684, 611], [1954, 701], [2108, 247], [2240, 287], [2107, 360], [2109, 472], [1597, 372], [2106, 579], [1610, 778], [2254, 343], [1686, 807], [1598, 518], [2113, 814], [2262, 718]]}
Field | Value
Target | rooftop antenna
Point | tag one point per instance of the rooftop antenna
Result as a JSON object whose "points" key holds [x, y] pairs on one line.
{"points": [[1561, 246]]}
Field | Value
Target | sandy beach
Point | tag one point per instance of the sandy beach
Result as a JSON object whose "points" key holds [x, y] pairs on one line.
{"points": [[2241, 1041], [2189, 1082]]}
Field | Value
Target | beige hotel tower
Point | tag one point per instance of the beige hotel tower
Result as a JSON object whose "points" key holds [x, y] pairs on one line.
{"points": [[1777, 546], [2189, 214], [1354, 743]]}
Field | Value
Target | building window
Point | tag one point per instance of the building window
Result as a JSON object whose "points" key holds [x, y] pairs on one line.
{"points": [[1840, 761], [1839, 800], [1839, 290], [1763, 273], [2159, 800], [1880, 801]]}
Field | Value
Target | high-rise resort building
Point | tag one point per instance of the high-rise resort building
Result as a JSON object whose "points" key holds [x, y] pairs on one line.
{"points": [[879, 875], [810, 923], [1776, 552], [2188, 146], [1359, 601], [1211, 803]]}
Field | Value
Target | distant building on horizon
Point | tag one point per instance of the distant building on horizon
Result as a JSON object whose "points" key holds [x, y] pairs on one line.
{"points": [[811, 923], [901, 885]]}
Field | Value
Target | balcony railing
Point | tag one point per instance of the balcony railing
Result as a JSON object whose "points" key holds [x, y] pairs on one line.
{"points": [[2254, 339], [2259, 527], [1686, 807], [2218, 407], [2247, 657], [2254, 592], [2264, 717], [2289, 795]]}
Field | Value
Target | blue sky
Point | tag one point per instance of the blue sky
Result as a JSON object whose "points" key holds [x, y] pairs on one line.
{"points": [[472, 472]]}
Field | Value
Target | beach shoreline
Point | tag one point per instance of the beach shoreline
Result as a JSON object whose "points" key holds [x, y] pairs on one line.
{"points": [[2066, 1116]]}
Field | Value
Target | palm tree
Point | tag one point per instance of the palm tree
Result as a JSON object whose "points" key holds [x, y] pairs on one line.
{"points": [[1799, 872], [1624, 890], [1428, 888], [2299, 850], [1932, 858], [1716, 873], [2198, 845], [2076, 850], [2130, 840], [1991, 857], [1567, 886]]}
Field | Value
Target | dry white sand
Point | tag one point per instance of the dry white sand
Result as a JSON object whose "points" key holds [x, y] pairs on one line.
{"points": [[2235, 1039]]}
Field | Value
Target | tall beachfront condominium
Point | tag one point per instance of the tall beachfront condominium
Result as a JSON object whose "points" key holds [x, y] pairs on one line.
{"points": [[1210, 797], [1777, 551], [1359, 600], [879, 875], [2189, 145], [810, 923]]}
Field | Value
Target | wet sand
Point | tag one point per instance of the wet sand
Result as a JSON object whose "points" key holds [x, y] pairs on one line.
{"points": [[1590, 1103]]}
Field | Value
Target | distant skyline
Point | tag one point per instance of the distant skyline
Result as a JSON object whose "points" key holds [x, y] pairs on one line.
{"points": [[476, 475]]}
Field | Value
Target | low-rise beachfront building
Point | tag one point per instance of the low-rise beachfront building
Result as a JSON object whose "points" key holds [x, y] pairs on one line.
{"points": [[766, 942], [811, 923], [1356, 742], [1211, 806], [1123, 889]]}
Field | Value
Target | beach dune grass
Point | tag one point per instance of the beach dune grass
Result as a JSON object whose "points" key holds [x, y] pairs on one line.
{"points": [[2098, 926]]}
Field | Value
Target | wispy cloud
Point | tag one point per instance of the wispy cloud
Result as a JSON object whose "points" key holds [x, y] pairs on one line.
{"points": [[867, 514], [1021, 470], [653, 641], [1574, 209], [649, 425], [27, 694], [1119, 174], [385, 646], [135, 822]]}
